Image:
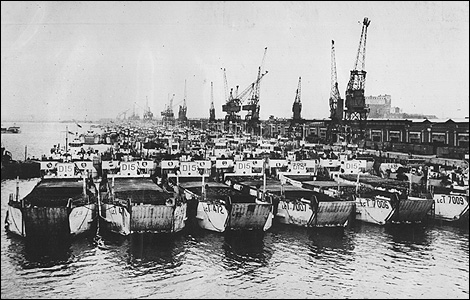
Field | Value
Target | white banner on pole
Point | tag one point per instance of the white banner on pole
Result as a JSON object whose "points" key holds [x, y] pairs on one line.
{"points": [[223, 163], [48, 165], [109, 164], [170, 164], [145, 164], [277, 163]]}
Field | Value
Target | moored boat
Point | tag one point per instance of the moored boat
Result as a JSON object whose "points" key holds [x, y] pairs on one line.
{"points": [[131, 202], [450, 193], [217, 206], [62, 204], [191, 178], [11, 129], [383, 201], [294, 204], [449, 190], [451, 204]]}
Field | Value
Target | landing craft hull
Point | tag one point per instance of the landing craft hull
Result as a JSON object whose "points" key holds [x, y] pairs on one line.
{"points": [[42, 222], [180, 217], [301, 213], [295, 213], [373, 211], [216, 214], [212, 216], [143, 218], [333, 214], [249, 216], [328, 214], [261, 211], [115, 219], [14, 221], [381, 211], [450, 207], [82, 219], [50, 221], [157, 218], [411, 210]]}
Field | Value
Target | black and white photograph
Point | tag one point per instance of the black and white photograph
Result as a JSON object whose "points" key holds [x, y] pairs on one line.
{"points": [[235, 150]]}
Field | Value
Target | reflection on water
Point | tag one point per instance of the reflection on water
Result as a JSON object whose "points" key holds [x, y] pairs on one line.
{"points": [[150, 253], [245, 251], [359, 261], [244, 244], [408, 234], [327, 239], [34, 253], [46, 253]]}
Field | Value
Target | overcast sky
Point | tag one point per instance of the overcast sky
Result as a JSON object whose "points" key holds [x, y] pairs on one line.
{"points": [[64, 60]]}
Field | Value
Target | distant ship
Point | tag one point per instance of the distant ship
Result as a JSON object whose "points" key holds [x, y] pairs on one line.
{"points": [[11, 129]]}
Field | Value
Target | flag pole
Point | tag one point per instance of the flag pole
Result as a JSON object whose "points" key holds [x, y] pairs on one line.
{"points": [[66, 138]]}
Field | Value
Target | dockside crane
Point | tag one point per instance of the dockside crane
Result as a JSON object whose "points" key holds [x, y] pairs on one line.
{"points": [[232, 104], [296, 124], [297, 106], [225, 85], [134, 115], [336, 103], [122, 115], [183, 108], [356, 109], [167, 114], [148, 115], [253, 107], [212, 109]]}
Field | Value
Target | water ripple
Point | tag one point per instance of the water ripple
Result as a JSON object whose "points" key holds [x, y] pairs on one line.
{"points": [[360, 261]]}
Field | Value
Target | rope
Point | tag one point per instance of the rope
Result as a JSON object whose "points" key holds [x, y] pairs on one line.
{"points": [[292, 220], [208, 218], [113, 205], [83, 206], [377, 221]]}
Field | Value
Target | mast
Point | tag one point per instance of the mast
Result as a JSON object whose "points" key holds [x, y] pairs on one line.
{"points": [[66, 138]]}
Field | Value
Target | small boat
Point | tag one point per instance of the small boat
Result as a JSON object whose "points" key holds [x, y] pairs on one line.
{"points": [[75, 147], [90, 137], [131, 202], [11, 129], [192, 179], [450, 193], [215, 205], [383, 201], [298, 205], [63, 203], [451, 204], [448, 189]]}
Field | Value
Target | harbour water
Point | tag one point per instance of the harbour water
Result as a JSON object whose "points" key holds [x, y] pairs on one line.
{"points": [[360, 261]]}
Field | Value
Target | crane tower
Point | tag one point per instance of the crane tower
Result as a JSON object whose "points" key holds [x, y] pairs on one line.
{"points": [[356, 109], [148, 115], [253, 107], [296, 124], [167, 114], [297, 106], [232, 105], [212, 109], [335, 101], [183, 108], [234, 101]]}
